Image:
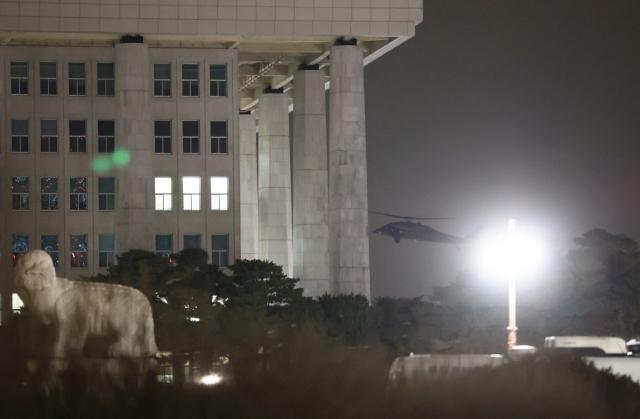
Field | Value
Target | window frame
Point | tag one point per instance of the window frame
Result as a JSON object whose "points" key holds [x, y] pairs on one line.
{"points": [[22, 81], [164, 195], [23, 205], [77, 82], [80, 252], [16, 254], [109, 88], [217, 254], [21, 140], [106, 196], [56, 251], [110, 254], [191, 197], [219, 139], [218, 82], [163, 138], [78, 195], [192, 83], [164, 252], [161, 81], [47, 138], [219, 195], [80, 141], [190, 140], [49, 81], [184, 241], [49, 195], [104, 141]]}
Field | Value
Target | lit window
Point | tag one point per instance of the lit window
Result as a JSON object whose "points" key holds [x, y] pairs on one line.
{"points": [[162, 80], [191, 193], [49, 136], [49, 193], [162, 134], [164, 245], [78, 193], [190, 137], [78, 136], [20, 193], [106, 82], [220, 250], [163, 193], [189, 79], [79, 245], [106, 250], [219, 193], [19, 78], [16, 303], [192, 241], [50, 245], [218, 137], [106, 136], [19, 245], [106, 193], [48, 78], [77, 80], [218, 80], [20, 135]]}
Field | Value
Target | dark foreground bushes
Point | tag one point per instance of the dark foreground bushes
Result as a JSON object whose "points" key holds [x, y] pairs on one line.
{"points": [[316, 380]]}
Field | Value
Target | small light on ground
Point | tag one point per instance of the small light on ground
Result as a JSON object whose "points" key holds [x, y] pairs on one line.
{"points": [[210, 380]]}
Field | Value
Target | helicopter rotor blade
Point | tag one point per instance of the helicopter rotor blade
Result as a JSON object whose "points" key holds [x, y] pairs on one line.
{"points": [[412, 218]]}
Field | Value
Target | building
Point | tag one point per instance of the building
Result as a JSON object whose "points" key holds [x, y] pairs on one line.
{"points": [[132, 124]]}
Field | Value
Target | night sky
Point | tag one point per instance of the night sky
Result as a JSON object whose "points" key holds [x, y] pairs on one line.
{"points": [[500, 109]]}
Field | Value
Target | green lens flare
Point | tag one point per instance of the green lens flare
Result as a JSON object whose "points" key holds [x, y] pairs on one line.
{"points": [[121, 157], [101, 164]]}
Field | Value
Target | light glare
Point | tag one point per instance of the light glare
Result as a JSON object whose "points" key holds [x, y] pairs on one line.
{"points": [[210, 380]]}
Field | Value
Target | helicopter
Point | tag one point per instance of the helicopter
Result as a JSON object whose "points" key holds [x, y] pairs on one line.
{"points": [[411, 230]]}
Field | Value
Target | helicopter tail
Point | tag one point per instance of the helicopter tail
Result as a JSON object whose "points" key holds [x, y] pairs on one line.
{"points": [[471, 237]]}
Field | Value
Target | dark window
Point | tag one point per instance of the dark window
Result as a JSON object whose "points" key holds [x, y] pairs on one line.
{"points": [[19, 245], [78, 194], [78, 247], [190, 137], [50, 245], [20, 135], [20, 193], [163, 245], [189, 79], [220, 250], [49, 193], [48, 78], [19, 78], [49, 136], [77, 79], [106, 82], [78, 136], [218, 80], [218, 137], [106, 250], [192, 241], [162, 136], [162, 80], [106, 136], [106, 193]]}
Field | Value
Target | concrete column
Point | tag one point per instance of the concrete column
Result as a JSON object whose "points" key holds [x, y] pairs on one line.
{"points": [[274, 181], [348, 217], [134, 193], [248, 188], [310, 183]]}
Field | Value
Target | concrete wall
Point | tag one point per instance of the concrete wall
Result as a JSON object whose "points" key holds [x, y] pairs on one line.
{"points": [[222, 17]]}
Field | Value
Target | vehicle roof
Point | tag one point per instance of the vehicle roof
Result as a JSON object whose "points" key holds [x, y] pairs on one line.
{"points": [[609, 344]]}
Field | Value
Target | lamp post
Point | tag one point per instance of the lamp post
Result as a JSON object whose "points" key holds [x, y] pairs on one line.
{"points": [[512, 339]]}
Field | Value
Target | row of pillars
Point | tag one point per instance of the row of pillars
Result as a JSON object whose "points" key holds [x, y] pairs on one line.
{"points": [[320, 233]]}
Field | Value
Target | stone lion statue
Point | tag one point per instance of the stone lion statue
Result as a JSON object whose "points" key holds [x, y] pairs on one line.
{"points": [[78, 310]]}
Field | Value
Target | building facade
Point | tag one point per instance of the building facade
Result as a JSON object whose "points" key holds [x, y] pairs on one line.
{"points": [[132, 124]]}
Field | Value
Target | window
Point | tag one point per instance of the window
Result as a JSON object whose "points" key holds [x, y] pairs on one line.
{"points": [[189, 79], [106, 136], [192, 241], [49, 193], [48, 136], [162, 80], [106, 82], [77, 80], [220, 250], [20, 193], [16, 303], [48, 78], [191, 193], [219, 193], [78, 193], [20, 135], [163, 194], [190, 137], [162, 133], [78, 136], [79, 250], [218, 80], [50, 245], [106, 193], [218, 137], [163, 245], [106, 250], [19, 245], [19, 78]]}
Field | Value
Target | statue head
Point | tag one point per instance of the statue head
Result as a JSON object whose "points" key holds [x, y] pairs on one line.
{"points": [[34, 274]]}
